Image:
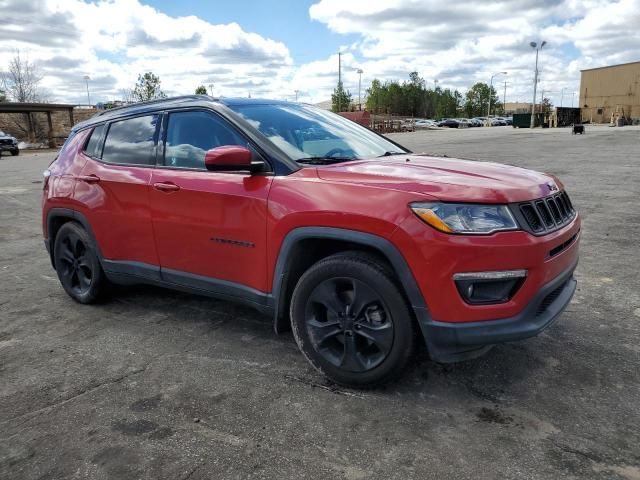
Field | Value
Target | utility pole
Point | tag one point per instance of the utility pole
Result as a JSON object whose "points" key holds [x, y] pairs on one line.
{"points": [[359, 87], [86, 79], [535, 82], [211, 89], [296, 92], [504, 98], [561, 96], [490, 95], [339, 81]]}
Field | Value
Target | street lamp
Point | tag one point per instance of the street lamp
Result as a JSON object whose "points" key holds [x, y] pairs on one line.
{"points": [[535, 82], [490, 90], [86, 79], [359, 87], [296, 92]]}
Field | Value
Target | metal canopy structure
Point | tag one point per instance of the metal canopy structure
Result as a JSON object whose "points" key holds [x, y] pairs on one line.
{"points": [[48, 108]]}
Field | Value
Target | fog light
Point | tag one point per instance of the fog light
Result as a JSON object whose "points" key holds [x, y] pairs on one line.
{"points": [[481, 288]]}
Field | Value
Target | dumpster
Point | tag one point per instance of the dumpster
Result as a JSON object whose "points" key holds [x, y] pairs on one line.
{"points": [[523, 120]]}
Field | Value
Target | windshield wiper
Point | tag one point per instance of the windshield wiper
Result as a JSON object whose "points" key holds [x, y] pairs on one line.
{"points": [[388, 154], [324, 160]]}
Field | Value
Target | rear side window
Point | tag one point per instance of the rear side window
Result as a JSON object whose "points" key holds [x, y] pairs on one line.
{"points": [[132, 141], [95, 142], [191, 134]]}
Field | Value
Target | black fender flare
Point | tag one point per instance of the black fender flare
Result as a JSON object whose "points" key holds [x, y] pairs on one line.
{"points": [[384, 246], [74, 215]]}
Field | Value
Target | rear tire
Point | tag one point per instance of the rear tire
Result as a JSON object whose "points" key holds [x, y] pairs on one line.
{"points": [[351, 321], [77, 264]]}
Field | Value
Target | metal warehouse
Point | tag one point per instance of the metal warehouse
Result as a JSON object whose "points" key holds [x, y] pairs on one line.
{"points": [[607, 93]]}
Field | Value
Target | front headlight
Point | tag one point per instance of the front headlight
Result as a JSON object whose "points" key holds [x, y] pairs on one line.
{"points": [[465, 217]]}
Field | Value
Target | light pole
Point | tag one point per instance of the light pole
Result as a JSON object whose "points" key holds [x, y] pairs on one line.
{"points": [[535, 82], [211, 89], [359, 87], [86, 79], [490, 90], [435, 84], [296, 92]]}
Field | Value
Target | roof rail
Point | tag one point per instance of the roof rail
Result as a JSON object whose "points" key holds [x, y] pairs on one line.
{"points": [[157, 100]]}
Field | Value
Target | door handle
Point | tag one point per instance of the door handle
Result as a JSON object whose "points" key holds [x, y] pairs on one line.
{"points": [[166, 187], [89, 178]]}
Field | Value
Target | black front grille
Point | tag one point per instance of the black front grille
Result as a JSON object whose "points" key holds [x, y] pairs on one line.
{"points": [[6, 141], [547, 214]]}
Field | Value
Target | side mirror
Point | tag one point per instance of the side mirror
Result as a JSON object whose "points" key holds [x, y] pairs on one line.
{"points": [[228, 158]]}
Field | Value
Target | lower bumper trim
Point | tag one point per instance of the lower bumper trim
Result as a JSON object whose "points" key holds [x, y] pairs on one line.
{"points": [[452, 342]]}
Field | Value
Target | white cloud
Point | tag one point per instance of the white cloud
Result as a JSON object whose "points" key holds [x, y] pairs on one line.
{"points": [[458, 43], [462, 42], [114, 41]]}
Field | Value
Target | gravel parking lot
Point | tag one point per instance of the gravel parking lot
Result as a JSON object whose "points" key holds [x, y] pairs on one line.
{"points": [[161, 385]]}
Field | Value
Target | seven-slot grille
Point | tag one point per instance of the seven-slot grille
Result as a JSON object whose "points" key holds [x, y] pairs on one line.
{"points": [[547, 214]]}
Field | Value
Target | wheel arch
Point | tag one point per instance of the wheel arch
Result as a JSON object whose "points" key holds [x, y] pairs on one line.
{"points": [[293, 260], [56, 218]]}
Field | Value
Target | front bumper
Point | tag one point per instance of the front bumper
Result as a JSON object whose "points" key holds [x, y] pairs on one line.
{"points": [[8, 147], [451, 342]]}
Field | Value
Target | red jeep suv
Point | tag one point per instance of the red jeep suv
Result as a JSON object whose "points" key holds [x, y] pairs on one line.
{"points": [[357, 244]]}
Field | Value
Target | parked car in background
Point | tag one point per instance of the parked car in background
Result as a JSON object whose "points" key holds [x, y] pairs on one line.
{"points": [[8, 144], [425, 123], [449, 123], [475, 122], [340, 234]]}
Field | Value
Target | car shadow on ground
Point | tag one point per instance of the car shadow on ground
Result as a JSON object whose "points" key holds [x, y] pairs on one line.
{"points": [[487, 378]]}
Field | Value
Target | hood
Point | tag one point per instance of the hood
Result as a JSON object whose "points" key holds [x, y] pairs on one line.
{"points": [[447, 179]]}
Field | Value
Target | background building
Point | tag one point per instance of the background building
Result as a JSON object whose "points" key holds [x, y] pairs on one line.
{"points": [[605, 90]]}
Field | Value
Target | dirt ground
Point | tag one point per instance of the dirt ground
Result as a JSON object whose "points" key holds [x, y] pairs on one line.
{"points": [[161, 385]]}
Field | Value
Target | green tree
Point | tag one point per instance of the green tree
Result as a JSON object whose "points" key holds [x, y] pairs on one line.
{"points": [[546, 105], [201, 90], [147, 88], [477, 100], [340, 99]]}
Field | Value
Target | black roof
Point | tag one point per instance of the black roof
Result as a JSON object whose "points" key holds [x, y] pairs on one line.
{"points": [[173, 102]]}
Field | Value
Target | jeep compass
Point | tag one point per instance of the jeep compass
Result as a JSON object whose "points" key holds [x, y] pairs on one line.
{"points": [[357, 245]]}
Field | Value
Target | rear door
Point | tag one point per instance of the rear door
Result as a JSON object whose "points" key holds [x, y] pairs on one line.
{"points": [[210, 227], [113, 188]]}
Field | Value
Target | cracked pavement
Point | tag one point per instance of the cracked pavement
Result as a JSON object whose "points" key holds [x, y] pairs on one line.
{"points": [[155, 384]]}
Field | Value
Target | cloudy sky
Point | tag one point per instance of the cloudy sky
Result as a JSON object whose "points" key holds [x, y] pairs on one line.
{"points": [[270, 48]]}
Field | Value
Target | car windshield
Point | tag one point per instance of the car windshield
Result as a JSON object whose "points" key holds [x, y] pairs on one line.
{"points": [[308, 134]]}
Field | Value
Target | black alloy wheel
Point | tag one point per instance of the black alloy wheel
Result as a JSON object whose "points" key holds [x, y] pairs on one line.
{"points": [[77, 264], [349, 324], [351, 320]]}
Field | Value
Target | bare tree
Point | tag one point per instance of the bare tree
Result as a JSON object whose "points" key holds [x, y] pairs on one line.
{"points": [[21, 80], [21, 84]]}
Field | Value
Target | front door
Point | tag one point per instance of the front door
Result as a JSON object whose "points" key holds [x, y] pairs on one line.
{"points": [[210, 227]]}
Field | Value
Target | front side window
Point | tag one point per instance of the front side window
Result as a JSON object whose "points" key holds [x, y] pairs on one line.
{"points": [[191, 134], [95, 142], [131, 141], [304, 132]]}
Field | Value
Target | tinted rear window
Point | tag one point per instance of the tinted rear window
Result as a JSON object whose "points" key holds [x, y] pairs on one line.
{"points": [[131, 141], [94, 144]]}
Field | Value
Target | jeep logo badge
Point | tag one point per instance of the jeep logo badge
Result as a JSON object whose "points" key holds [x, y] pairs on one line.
{"points": [[552, 187]]}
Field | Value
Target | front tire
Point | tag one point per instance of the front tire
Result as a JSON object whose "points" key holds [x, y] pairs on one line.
{"points": [[77, 264], [351, 321], [15, 152]]}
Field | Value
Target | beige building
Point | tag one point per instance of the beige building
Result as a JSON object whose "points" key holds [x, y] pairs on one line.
{"points": [[518, 107], [606, 91]]}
